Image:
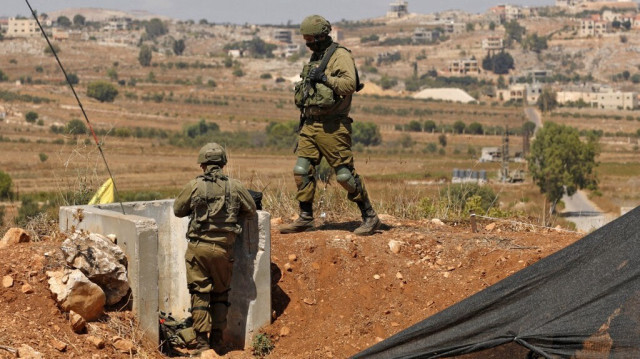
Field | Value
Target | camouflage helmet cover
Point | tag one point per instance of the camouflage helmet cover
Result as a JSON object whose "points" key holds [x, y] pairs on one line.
{"points": [[212, 153], [315, 25]]}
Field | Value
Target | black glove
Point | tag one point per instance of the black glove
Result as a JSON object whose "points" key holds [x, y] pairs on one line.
{"points": [[315, 75]]}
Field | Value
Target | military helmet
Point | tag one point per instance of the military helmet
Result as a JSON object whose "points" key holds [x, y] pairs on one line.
{"points": [[212, 153], [315, 25]]}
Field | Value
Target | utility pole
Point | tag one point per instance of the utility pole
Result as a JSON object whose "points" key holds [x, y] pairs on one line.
{"points": [[505, 156]]}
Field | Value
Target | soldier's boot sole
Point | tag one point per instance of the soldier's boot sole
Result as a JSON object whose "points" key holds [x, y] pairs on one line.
{"points": [[368, 227], [299, 225]]}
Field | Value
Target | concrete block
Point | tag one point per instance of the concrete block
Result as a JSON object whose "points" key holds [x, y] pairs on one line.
{"points": [[138, 238], [155, 242]]}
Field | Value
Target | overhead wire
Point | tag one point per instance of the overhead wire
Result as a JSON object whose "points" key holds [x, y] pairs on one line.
{"points": [[86, 118]]}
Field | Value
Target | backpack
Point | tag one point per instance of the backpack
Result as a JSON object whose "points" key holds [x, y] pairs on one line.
{"points": [[175, 334]]}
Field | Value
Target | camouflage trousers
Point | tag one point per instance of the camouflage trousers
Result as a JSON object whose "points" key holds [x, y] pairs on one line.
{"points": [[209, 268], [328, 138]]}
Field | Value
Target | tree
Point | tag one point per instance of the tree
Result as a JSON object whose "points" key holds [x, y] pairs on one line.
{"points": [[75, 127], [144, 57], [535, 43], [366, 133], [443, 140], [414, 126], [547, 100], [499, 63], [492, 26], [31, 116], [5, 185], [561, 163], [529, 128], [178, 47], [475, 128], [102, 91], [513, 32], [155, 27], [458, 127], [63, 21], [3, 76], [78, 20], [73, 78], [429, 126]]}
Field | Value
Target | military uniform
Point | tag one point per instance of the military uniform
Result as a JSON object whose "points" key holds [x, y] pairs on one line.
{"points": [[213, 201], [326, 131]]}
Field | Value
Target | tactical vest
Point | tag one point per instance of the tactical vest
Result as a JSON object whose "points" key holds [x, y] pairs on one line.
{"points": [[214, 206], [314, 94]]}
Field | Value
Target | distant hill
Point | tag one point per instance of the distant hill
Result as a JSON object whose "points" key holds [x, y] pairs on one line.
{"points": [[95, 14]]}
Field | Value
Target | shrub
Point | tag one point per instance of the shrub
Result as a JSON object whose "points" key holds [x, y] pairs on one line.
{"points": [[73, 79], [75, 127], [102, 91], [145, 55], [282, 135], [43, 157], [261, 345], [366, 133], [5, 185], [461, 198], [31, 117]]}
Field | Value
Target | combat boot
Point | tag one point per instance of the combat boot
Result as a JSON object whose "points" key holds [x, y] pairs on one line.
{"points": [[370, 220], [303, 222], [202, 344], [215, 340]]}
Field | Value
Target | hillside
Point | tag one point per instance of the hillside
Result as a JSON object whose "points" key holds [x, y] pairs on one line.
{"points": [[333, 294]]}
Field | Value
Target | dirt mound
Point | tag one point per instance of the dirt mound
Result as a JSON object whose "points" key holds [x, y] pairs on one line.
{"points": [[334, 293]]}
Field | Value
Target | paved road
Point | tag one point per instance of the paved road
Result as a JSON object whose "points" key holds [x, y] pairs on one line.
{"points": [[579, 210], [533, 116]]}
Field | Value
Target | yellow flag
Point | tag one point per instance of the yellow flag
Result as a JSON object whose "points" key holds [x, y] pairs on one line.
{"points": [[104, 193]]}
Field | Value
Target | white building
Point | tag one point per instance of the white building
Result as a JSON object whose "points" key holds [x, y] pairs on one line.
{"points": [[455, 28], [602, 98], [22, 28], [594, 27], [422, 35], [282, 36], [464, 66], [495, 43], [398, 9]]}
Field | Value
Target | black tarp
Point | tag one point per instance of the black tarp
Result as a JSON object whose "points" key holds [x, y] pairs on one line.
{"points": [[580, 302]]}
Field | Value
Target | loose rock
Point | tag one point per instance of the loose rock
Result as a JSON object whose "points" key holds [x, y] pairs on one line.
{"points": [[78, 324], [14, 236], [285, 331], [123, 345], [7, 281], [292, 258], [27, 288], [95, 341], [437, 222], [28, 352], [103, 262], [490, 227], [395, 246], [73, 291], [60, 346]]}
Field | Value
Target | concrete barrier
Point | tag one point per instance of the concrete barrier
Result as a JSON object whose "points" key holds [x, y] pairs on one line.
{"points": [[154, 241]]}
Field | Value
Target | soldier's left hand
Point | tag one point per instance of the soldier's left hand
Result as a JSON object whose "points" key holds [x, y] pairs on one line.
{"points": [[315, 75]]}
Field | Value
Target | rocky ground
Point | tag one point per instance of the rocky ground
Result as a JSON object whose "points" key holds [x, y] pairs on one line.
{"points": [[334, 294]]}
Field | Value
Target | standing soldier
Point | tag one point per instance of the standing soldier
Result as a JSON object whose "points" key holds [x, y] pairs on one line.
{"points": [[213, 203], [324, 98]]}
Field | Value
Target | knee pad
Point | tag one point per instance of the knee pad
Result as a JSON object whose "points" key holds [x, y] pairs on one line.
{"points": [[344, 176], [302, 172]]}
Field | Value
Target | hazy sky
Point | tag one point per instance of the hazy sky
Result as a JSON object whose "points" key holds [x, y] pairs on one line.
{"points": [[260, 11]]}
